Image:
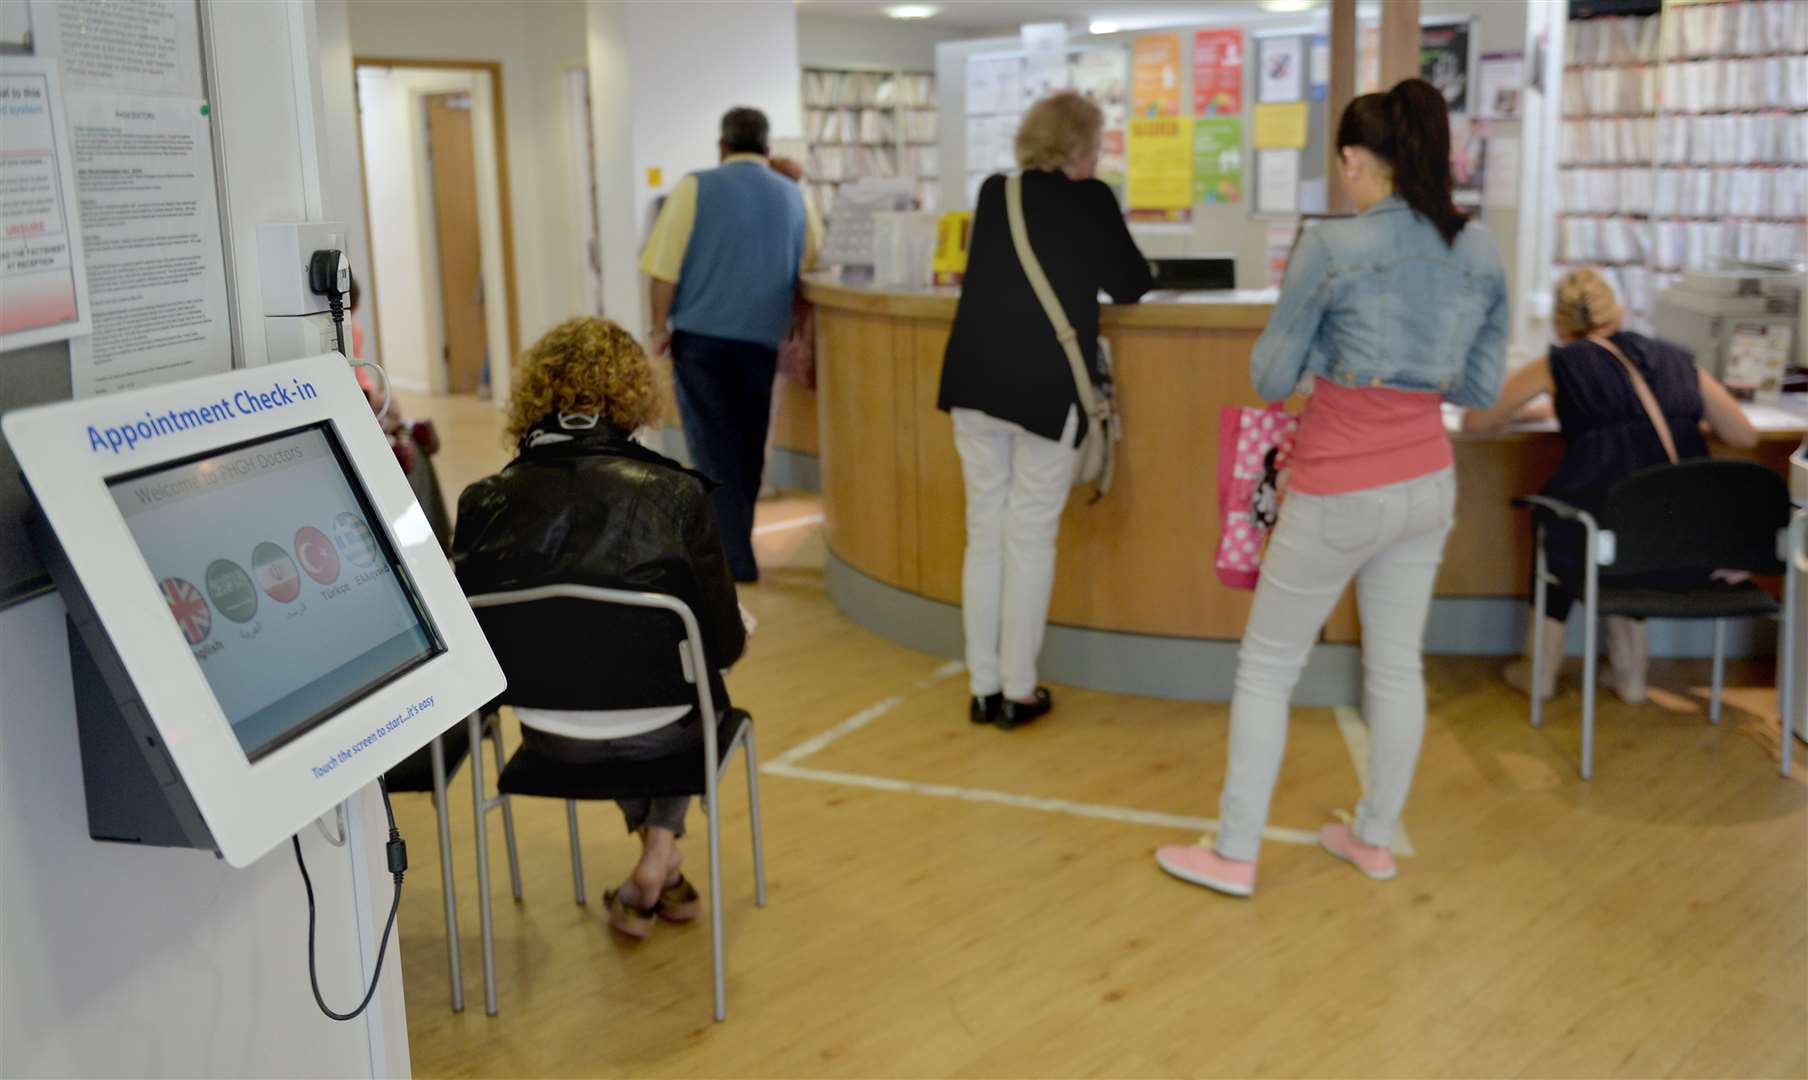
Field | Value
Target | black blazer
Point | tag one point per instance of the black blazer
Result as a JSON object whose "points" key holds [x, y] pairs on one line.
{"points": [[596, 509], [1003, 358]]}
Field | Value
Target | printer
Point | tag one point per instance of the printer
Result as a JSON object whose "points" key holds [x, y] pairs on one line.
{"points": [[1745, 323]]}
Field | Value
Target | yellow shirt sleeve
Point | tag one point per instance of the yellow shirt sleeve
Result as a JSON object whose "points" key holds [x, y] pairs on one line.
{"points": [[664, 253], [812, 232]]}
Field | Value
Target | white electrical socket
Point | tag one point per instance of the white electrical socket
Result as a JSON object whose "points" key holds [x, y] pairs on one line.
{"points": [[283, 252], [293, 337]]}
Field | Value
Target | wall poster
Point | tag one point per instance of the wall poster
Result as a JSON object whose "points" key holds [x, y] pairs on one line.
{"points": [[1155, 75], [1444, 61], [1217, 72], [1217, 159], [1161, 162]]}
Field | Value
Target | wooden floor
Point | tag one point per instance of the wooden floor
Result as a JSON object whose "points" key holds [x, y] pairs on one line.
{"points": [[952, 901]]}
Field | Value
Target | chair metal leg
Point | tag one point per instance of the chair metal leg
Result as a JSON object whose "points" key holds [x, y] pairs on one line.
{"points": [[577, 852], [1538, 609], [753, 815], [437, 754], [508, 812], [1590, 631], [480, 809], [715, 909], [1719, 671]]}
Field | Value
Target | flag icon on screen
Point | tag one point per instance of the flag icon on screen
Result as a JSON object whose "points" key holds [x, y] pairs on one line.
{"points": [[190, 609]]}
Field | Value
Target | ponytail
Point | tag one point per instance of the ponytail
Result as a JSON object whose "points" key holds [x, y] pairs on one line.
{"points": [[1418, 122]]}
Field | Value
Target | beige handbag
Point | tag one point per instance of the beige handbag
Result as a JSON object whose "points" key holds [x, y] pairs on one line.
{"points": [[1097, 459]]}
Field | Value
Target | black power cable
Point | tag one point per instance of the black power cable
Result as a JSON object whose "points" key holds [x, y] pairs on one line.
{"points": [[397, 852]]}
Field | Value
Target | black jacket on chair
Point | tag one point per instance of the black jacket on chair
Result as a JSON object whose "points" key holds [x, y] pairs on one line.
{"points": [[595, 508], [1003, 358]]}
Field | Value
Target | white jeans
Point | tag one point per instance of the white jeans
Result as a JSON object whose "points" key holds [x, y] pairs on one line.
{"points": [[1390, 539], [1017, 486]]}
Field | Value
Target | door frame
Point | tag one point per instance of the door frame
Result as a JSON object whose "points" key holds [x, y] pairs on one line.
{"points": [[493, 68]]}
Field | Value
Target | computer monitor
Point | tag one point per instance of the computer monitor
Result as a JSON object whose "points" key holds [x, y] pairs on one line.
{"points": [[1211, 273], [261, 619]]}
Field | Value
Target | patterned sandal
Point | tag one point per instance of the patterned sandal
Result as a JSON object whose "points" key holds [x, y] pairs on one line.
{"points": [[679, 902], [629, 920]]}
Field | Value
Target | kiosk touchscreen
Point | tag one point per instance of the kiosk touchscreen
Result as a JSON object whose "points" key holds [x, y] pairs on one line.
{"points": [[261, 619]]}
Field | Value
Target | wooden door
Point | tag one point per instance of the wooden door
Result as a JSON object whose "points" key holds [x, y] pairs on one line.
{"points": [[460, 250]]}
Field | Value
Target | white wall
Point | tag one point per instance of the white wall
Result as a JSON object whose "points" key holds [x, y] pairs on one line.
{"points": [[837, 41], [661, 76], [535, 41], [404, 229], [126, 961]]}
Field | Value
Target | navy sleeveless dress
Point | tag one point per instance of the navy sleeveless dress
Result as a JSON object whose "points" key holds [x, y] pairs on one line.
{"points": [[1608, 436]]}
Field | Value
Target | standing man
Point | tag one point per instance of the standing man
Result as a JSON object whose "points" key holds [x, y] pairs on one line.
{"points": [[724, 259]]}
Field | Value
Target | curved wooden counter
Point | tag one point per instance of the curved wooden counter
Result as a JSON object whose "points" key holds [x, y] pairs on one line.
{"points": [[1139, 561], [1136, 566]]}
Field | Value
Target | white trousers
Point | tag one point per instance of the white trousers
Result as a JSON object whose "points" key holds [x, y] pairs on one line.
{"points": [[1017, 485], [1390, 539]]}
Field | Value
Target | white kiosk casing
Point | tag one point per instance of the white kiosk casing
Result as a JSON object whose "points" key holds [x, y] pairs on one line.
{"points": [[277, 613]]}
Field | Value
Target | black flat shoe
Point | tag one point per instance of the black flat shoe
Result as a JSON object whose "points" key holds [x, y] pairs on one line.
{"points": [[984, 710], [1015, 714]]}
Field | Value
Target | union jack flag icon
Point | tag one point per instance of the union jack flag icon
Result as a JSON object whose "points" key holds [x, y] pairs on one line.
{"points": [[190, 609]]}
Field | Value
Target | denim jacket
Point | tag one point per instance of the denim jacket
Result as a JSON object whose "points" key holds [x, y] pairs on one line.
{"points": [[1381, 300]]}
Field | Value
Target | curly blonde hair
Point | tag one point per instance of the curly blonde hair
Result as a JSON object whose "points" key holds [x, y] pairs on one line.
{"points": [[583, 365], [1586, 306], [1059, 128]]}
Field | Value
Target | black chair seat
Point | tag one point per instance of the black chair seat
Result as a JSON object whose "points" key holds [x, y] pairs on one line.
{"points": [[531, 773], [1714, 601], [415, 772]]}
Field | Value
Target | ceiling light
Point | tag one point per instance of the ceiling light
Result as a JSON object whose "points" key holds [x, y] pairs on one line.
{"points": [[912, 11], [1102, 26], [1286, 6]]}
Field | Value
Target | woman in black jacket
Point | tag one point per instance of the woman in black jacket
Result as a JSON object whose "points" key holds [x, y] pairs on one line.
{"points": [[1008, 383], [583, 504]]}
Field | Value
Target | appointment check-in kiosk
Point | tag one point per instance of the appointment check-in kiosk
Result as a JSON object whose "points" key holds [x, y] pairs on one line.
{"points": [[261, 621]]}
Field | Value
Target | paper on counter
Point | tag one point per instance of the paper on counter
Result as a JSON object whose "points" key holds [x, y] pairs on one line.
{"points": [[151, 227]]}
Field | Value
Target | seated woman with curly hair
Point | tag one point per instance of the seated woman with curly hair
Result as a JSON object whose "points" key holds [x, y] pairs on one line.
{"points": [[583, 504]]}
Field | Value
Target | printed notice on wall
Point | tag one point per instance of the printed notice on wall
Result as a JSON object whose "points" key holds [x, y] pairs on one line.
{"points": [[1155, 76], [144, 174], [1277, 181], [41, 269], [1161, 162], [1282, 59], [1217, 72], [148, 46]]}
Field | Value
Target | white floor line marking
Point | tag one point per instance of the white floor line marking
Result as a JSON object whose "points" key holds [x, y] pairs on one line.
{"points": [[790, 523], [1122, 814], [866, 716], [1356, 737]]}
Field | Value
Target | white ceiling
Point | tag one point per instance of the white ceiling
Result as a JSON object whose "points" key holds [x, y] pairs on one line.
{"points": [[992, 14]]}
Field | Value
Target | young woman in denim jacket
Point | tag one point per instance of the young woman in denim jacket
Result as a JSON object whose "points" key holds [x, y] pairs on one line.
{"points": [[1394, 312]]}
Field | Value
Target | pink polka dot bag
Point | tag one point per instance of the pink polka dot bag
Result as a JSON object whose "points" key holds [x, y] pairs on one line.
{"points": [[1253, 448]]}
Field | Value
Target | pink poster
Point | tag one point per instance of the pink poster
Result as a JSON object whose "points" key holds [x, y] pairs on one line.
{"points": [[1217, 72]]}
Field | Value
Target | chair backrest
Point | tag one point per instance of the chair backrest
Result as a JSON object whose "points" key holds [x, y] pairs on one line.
{"points": [[1697, 516], [550, 645]]}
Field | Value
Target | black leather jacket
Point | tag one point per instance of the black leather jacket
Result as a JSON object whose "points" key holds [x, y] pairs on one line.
{"points": [[594, 508]]}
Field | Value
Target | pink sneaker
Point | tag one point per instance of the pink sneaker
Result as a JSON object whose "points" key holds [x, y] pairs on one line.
{"points": [[1203, 866], [1376, 862]]}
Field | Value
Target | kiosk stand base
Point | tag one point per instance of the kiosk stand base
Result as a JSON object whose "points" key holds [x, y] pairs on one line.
{"points": [[128, 800]]}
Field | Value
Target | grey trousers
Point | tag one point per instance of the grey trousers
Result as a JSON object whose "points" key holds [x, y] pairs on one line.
{"points": [[1390, 539], [667, 812]]}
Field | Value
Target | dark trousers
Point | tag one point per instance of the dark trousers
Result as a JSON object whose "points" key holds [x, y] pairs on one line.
{"points": [[724, 391]]}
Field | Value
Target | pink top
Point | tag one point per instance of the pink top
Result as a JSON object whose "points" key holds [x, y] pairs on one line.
{"points": [[1354, 438]]}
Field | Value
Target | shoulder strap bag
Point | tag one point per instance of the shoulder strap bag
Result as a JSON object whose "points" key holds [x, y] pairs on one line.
{"points": [[1097, 459], [1643, 390]]}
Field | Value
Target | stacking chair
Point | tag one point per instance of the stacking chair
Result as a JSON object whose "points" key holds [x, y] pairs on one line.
{"points": [[529, 773], [426, 770], [1697, 516]]}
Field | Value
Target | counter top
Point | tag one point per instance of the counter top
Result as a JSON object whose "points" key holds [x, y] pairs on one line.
{"points": [[1234, 309], [1784, 420]]}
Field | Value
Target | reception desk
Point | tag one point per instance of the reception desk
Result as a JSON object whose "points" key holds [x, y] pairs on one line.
{"points": [[1137, 606]]}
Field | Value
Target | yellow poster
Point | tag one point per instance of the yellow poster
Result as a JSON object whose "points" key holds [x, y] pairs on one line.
{"points": [[1161, 162], [1155, 75], [1280, 125]]}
